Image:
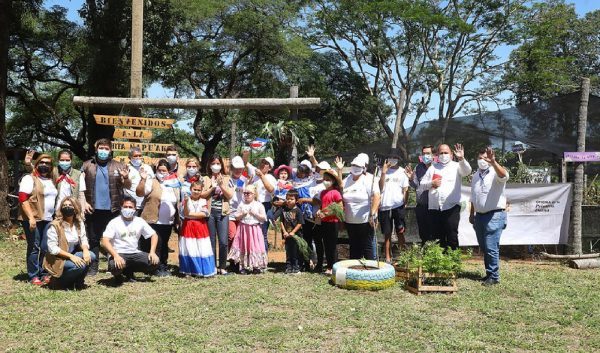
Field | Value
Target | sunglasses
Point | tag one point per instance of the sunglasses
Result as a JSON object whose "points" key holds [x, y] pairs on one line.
{"points": [[45, 163]]}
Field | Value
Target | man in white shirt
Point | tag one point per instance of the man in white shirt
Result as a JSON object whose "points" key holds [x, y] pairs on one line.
{"points": [[136, 163], [393, 184], [488, 215], [443, 180], [121, 238]]}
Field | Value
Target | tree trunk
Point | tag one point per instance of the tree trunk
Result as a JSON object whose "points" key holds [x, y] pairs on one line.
{"points": [[5, 13], [210, 147], [576, 216]]}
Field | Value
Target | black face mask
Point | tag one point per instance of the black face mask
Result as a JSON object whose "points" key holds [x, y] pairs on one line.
{"points": [[67, 211], [43, 169]]}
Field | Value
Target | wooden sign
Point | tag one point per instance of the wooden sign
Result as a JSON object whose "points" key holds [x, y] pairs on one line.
{"points": [[582, 156], [144, 147], [150, 123], [132, 134]]}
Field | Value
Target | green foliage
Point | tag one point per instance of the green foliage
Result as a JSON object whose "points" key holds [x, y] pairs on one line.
{"points": [[432, 258], [302, 247], [337, 210]]}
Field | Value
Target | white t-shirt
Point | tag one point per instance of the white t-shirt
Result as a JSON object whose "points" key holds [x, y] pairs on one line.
{"points": [[64, 189], [134, 176], [256, 207], [487, 191], [392, 195], [125, 235], [168, 203], [357, 198], [71, 234], [263, 194], [50, 194]]}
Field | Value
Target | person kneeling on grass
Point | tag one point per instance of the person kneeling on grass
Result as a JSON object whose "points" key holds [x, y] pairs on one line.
{"points": [[65, 236], [290, 220], [120, 239]]}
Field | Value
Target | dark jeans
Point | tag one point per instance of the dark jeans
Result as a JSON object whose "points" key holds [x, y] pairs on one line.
{"points": [[35, 254], [137, 262], [72, 274], [265, 226], [361, 238], [291, 255], [162, 248], [424, 223], [317, 236], [218, 224], [329, 234], [95, 225], [308, 228], [445, 226]]}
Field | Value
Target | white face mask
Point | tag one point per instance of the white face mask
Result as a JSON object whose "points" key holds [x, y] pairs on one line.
{"points": [[136, 162], [444, 158], [483, 165], [318, 177], [356, 170], [127, 212], [215, 168], [161, 176], [393, 162], [192, 171], [172, 159], [327, 183]]}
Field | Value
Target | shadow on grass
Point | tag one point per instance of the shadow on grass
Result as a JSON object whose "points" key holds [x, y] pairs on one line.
{"points": [[472, 275], [21, 277], [114, 282]]}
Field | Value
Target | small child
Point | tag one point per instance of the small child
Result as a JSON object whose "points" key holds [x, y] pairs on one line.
{"points": [[290, 220], [196, 257], [248, 247], [284, 184]]}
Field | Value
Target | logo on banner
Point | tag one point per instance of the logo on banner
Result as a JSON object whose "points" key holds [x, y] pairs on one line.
{"points": [[259, 144]]}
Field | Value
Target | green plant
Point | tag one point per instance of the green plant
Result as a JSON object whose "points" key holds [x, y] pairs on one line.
{"points": [[337, 210], [302, 247], [433, 258]]}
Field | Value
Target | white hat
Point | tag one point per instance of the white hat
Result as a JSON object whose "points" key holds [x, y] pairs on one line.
{"points": [[359, 161], [237, 162], [323, 165], [307, 163], [364, 156], [270, 161]]}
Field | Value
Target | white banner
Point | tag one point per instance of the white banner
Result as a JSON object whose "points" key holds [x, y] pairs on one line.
{"points": [[537, 214]]}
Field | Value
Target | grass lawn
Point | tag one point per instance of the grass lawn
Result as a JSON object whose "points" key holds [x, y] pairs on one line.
{"points": [[536, 308]]}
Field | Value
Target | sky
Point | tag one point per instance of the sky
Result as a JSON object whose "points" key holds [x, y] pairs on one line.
{"points": [[157, 91]]}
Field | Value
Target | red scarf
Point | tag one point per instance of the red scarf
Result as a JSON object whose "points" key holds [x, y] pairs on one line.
{"points": [[67, 178], [193, 179]]}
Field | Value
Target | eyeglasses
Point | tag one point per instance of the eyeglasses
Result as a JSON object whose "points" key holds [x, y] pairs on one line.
{"points": [[248, 193], [45, 163]]}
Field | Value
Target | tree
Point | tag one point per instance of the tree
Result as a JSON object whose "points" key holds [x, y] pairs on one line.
{"points": [[558, 48], [5, 20]]}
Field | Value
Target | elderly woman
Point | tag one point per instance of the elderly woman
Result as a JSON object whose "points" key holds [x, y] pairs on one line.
{"points": [[162, 198], [68, 255], [37, 197], [136, 164], [361, 203], [218, 189]]}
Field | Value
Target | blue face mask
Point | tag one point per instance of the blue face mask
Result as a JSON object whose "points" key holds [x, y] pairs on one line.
{"points": [[103, 154], [64, 165], [427, 158]]}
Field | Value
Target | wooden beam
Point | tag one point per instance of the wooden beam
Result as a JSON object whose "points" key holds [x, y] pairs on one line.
{"points": [[237, 103], [149, 123], [145, 147], [132, 134]]}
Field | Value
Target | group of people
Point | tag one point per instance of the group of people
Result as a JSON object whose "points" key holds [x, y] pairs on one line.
{"points": [[222, 216]]}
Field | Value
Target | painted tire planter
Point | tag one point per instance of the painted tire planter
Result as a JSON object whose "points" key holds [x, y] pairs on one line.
{"points": [[365, 275]]}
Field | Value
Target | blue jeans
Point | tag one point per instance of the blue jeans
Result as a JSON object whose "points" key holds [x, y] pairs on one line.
{"points": [[488, 228], [265, 226], [72, 274], [218, 225], [35, 253]]}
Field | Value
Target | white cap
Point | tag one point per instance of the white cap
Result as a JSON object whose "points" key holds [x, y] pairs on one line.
{"points": [[237, 162], [359, 161], [323, 165], [364, 156], [270, 161], [307, 163]]}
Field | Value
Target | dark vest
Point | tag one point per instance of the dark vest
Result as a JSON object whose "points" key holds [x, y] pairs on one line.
{"points": [[114, 180]]}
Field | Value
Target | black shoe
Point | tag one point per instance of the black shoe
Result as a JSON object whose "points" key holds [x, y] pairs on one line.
{"points": [[288, 270], [130, 279], [318, 269], [484, 278], [161, 273], [93, 270], [490, 282]]}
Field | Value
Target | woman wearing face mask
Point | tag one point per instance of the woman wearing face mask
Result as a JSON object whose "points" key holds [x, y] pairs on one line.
{"points": [[136, 163], [218, 189], [37, 197], [327, 234], [68, 255], [162, 196], [192, 175], [361, 202]]}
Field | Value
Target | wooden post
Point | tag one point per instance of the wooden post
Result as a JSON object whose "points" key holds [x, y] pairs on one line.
{"points": [[233, 144], [576, 216], [563, 171], [293, 117], [398, 124], [137, 46], [216, 103]]}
